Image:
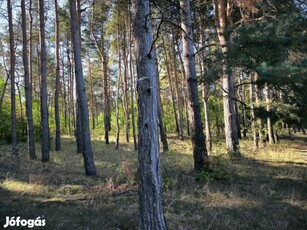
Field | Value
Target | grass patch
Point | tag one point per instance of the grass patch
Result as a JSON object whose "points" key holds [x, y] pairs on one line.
{"points": [[263, 189]]}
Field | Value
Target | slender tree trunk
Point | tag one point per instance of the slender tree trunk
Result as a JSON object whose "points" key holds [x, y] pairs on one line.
{"points": [[44, 95], [237, 120], [30, 46], [242, 99], [184, 87], [106, 101], [80, 85], [269, 122], [150, 185], [126, 89], [221, 8], [117, 94], [176, 84], [170, 81], [198, 139], [252, 111], [132, 87], [207, 118], [205, 88], [92, 100], [259, 120], [57, 81], [12, 76], [28, 88], [163, 136]]}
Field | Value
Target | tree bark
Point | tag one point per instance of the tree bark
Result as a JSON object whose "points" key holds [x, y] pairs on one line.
{"points": [[126, 89], [90, 169], [162, 132], [57, 81], [44, 94], [269, 122], [198, 139], [170, 81], [232, 142], [184, 87], [132, 85], [12, 76], [150, 184], [252, 111], [176, 84], [28, 88]]}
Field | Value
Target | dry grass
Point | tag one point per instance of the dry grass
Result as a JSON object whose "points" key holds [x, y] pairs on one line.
{"points": [[264, 189]]}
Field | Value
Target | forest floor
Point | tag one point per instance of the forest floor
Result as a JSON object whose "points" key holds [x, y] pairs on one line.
{"points": [[264, 189]]}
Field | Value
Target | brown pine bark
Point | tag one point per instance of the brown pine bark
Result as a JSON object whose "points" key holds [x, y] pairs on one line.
{"points": [[198, 139], [44, 94], [57, 81], [28, 88], [12, 77], [89, 165], [222, 20]]}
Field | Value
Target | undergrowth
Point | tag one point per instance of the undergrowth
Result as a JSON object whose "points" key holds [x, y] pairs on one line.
{"points": [[262, 189]]}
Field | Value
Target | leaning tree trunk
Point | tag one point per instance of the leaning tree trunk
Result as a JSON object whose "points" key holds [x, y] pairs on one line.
{"points": [[44, 95], [80, 85], [196, 127], [28, 88], [150, 185]]}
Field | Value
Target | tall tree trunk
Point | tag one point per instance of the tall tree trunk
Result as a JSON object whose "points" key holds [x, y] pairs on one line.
{"points": [[237, 120], [170, 81], [198, 139], [92, 100], [30, 45], [205, 88], [269, 122], [232, 142], [150, 185], [184, 87], [80, 85], [252, 111], [162, 132], [126, 89], [242, 99], [44, 95], [106, 100], [57, 81], [28, 88], [176, 84], [207, 118], [132, 85], [259, 120], [12, 76], [117, 94]]}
